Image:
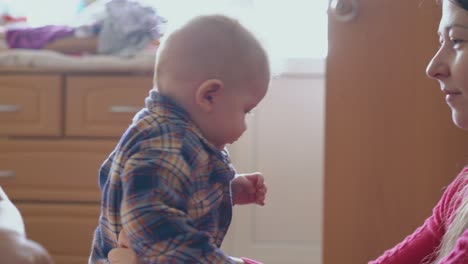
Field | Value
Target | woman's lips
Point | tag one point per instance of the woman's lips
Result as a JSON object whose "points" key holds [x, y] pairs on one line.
{"points": [[451, 95]]}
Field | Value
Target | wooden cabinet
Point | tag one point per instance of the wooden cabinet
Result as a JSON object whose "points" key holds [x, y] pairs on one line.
{"points": [[56, 129], [53, 170], [30, 105], [66, 230], [102, 106], [390, 144]]}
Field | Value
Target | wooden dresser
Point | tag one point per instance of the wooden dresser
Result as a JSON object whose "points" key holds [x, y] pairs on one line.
{"points": [[55, 131]]}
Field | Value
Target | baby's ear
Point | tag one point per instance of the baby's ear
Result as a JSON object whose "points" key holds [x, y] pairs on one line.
{"points": [[207, 93]]}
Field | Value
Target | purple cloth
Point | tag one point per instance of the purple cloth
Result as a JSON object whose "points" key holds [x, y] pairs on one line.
{"points": [[36, 38]]}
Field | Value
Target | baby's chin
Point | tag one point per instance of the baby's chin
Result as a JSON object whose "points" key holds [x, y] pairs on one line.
{"points": [[223, 146]]}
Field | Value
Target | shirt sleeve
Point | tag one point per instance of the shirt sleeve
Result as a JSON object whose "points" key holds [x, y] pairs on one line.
{"points": [[459, 254], [154, 210], [420, 246]]}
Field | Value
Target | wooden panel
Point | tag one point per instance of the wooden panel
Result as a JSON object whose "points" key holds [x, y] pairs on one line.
{"points": [[103, 106], [49, 170], [390, 144], [66, 231], [30, 105]]}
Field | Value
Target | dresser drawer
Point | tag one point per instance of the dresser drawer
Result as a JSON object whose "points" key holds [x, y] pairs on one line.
{"points": [[49, 170], [103, 106], [30, 105], [66, 231]]}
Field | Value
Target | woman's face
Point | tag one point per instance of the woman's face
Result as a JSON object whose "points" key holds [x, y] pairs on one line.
{"points": [[450, 64]]}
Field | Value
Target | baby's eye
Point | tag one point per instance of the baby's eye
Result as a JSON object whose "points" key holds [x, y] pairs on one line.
{"points": [[249, 112]]}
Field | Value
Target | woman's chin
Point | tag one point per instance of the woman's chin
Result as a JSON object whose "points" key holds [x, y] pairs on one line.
{"points": [[460, 120]]}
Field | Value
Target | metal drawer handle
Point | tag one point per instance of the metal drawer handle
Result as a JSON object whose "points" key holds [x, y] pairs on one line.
{"points": [[7, 173], [124, 109], [9, 108]]}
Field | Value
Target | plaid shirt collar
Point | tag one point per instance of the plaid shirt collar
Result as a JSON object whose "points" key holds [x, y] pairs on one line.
{"points": [[165, 106]]}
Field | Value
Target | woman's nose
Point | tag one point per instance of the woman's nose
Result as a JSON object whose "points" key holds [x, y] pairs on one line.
{"points": [[438, 67]]}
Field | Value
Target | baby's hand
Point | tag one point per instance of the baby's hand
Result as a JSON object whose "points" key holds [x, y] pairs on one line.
{"points": [[249, 188], [123, 241], [124, 253], [122, 256]]}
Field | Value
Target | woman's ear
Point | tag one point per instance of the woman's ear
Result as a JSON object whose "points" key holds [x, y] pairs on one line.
{"points": [[207, 93]]}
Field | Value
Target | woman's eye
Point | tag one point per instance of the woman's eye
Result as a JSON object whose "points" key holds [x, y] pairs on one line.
{"points": [[456, 42]]}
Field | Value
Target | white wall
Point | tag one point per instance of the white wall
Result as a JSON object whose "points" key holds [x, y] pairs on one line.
{"points": [[285, 141]]}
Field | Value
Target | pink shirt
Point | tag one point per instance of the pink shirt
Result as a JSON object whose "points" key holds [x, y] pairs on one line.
{"points": [[420, 246]]}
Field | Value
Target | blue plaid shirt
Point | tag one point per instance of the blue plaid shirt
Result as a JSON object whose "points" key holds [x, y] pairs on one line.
{"points": [[168, 188]]}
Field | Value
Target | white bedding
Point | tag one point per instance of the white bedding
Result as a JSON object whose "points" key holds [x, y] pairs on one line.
{"points": [[45, 60]]}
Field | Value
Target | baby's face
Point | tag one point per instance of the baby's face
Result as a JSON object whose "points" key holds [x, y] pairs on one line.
{"points": [[230, 112]]}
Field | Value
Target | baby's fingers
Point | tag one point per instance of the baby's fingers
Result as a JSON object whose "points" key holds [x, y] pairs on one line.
{"points": [[260, 182], [261, 193]]}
